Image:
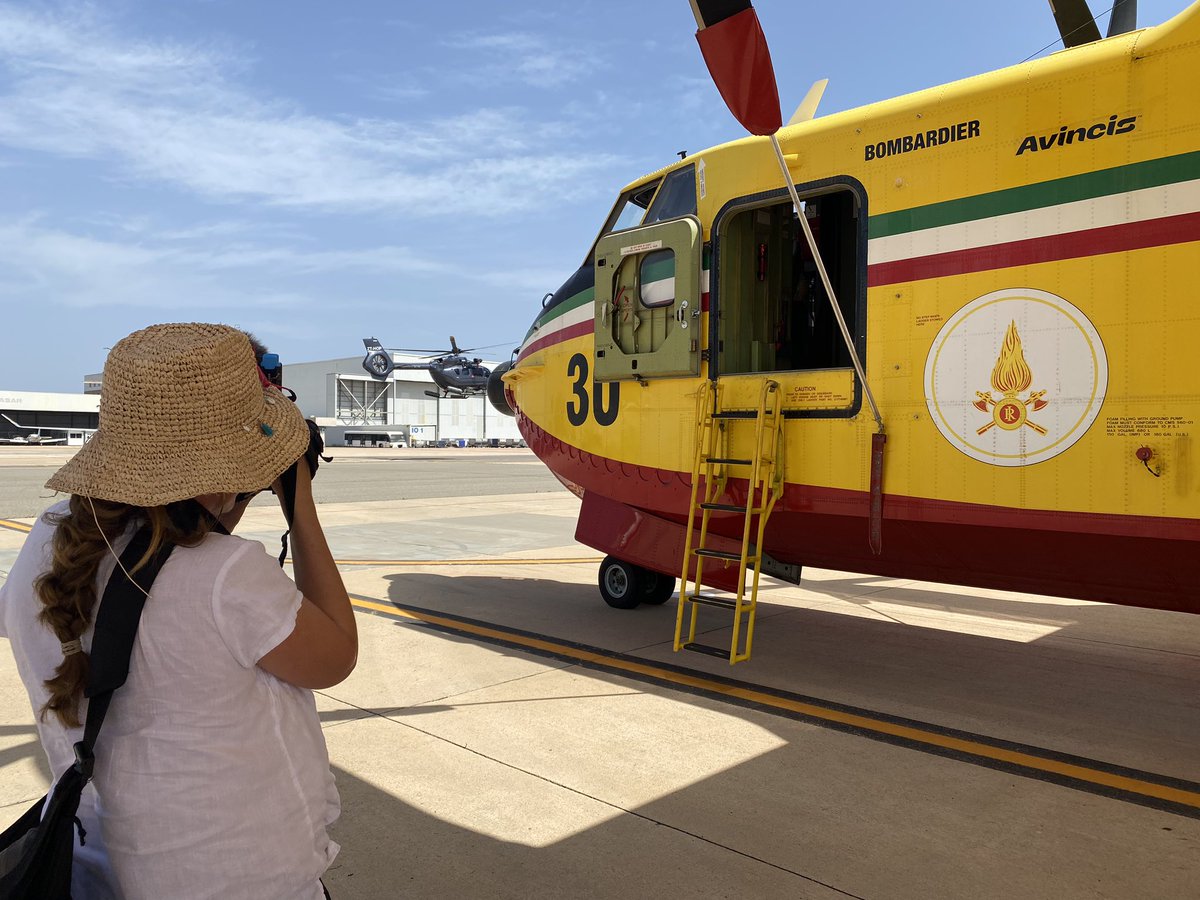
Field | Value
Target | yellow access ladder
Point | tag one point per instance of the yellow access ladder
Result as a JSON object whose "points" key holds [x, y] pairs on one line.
{"points": [[712, 466]]}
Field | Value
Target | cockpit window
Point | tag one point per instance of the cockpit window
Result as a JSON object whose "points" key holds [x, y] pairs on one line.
{"points": [[631, 208], [676, 198], [646, 203]]}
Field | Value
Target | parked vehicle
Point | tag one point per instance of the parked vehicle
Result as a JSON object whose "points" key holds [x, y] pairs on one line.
{"points": [[375, 439]]}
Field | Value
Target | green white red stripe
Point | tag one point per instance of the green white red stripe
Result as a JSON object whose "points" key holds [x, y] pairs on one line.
{"points": [[1132, 207], [1148, 204]]}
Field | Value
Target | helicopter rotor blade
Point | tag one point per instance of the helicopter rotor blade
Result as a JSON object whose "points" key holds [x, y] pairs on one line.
{"points": [[453, 350], [486, 347], [1075, 22]]}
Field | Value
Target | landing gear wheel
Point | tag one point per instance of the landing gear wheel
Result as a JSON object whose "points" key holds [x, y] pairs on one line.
{"points": [[656, 587], [620, 583]]}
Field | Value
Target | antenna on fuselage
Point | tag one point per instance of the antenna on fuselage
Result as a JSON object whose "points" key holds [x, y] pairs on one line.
{"points": [[807, 110]]}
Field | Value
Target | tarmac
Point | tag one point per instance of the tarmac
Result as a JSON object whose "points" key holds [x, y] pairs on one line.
{"points": [[506, 734]]}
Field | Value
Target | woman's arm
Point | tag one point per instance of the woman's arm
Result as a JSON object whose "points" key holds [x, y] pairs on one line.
{"points": [[323, 648]]}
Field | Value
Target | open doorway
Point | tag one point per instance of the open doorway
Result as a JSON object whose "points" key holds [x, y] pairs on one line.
{"points": [[773, 314]]}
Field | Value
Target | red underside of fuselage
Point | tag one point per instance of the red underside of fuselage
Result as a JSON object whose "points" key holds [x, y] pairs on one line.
{"points": [[1130, 560]]}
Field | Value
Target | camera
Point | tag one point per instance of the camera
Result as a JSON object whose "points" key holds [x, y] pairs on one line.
{"points": [[272, 371], [272, 368]]}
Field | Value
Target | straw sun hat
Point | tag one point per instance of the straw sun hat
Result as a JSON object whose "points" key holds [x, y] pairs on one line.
{"points": [[183, 412]]}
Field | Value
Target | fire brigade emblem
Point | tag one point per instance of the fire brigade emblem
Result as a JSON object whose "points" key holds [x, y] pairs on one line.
{"points": [[1046, 368], [1010, 377]]}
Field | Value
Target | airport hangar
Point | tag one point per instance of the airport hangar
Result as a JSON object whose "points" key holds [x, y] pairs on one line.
{"points": [[70, 416], [336, 393], [342, 398]]}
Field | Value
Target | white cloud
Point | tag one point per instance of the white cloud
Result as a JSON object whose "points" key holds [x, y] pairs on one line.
{"points": [[525, 57], [57, 267], [166, 112]]}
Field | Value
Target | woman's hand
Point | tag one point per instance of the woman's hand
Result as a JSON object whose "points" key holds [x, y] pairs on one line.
{"points": [[303, 487]]}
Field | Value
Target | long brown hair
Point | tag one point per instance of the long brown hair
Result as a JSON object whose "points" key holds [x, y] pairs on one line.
{"points": [[67, 589]]}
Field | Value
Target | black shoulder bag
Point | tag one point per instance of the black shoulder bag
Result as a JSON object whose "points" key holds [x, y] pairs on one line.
{"points": [[36, 851]]}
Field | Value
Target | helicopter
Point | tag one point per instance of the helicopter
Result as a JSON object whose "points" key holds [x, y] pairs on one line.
{"points": [[457, 375], [948, 336]]}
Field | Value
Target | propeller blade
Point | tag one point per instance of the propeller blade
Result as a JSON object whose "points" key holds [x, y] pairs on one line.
{"points": [[1123, 18], [1075, 22], [739, 61], [808, 106]]}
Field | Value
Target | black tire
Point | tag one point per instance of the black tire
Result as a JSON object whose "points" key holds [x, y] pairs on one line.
{"points": [[620, 583], [656, 587]]}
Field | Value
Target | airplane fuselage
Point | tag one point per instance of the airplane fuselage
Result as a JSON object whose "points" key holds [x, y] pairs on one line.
{"points": [[1015, 255]]}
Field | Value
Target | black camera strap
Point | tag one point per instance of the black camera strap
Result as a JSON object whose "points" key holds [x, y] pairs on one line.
{"points": [[313, 455], [112, 641], [288, 482], [121, 610]]}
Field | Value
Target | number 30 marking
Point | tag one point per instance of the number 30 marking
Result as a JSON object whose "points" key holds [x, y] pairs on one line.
{"points": [[577, 408]]}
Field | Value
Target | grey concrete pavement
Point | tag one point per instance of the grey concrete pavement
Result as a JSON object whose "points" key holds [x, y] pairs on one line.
{"points": [[357, 475], [471, 769]]}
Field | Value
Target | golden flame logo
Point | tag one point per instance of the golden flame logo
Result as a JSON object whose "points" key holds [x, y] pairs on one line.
{"points": [[1010, 376]]}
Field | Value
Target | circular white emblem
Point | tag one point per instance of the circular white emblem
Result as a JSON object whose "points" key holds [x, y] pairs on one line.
{"points": [[1015, 377]]}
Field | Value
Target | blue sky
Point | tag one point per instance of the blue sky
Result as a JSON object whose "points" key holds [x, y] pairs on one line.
{"points": [[320, 172]]}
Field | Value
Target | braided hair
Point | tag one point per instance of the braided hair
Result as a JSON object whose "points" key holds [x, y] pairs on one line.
{"points": [[67, 590]]}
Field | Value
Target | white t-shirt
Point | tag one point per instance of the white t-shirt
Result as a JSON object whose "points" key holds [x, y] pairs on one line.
{"points": [[212, 778]]}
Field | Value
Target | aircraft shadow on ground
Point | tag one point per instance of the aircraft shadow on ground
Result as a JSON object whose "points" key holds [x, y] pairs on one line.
{"points": [[802, 808], [1088, 696]]}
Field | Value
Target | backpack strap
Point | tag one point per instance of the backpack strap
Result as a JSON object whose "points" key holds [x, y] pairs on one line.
{"points": [[117, 623], [112, 642]]}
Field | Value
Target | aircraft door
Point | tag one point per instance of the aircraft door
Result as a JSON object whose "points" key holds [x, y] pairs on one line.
{"points": [[773, 313], [647, 301]]}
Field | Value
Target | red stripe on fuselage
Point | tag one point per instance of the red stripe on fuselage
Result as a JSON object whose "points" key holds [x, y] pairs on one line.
{"points": [[1132, 560], [1073, 245], [579, 329]]}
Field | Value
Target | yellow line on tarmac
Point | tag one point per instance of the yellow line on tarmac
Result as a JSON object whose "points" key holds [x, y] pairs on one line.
{"points": [[15, 526], [909, 733]]}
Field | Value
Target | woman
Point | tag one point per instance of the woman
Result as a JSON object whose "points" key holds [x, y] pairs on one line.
{"points": [[212, 778]]}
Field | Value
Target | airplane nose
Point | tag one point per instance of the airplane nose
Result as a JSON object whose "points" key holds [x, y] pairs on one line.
{"points": [[495, 390]]}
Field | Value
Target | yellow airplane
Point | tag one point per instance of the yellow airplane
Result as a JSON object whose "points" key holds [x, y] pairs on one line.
{"points": [[1013, 258]]}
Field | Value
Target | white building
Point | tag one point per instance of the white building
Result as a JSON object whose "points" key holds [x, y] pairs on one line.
{"points": [[51, 415], [339, 395]]}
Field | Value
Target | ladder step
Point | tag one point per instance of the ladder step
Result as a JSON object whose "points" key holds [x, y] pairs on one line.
{"points": [[707, 650], [728, 507], [722, 602], [720, 460], [721, 554]]}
